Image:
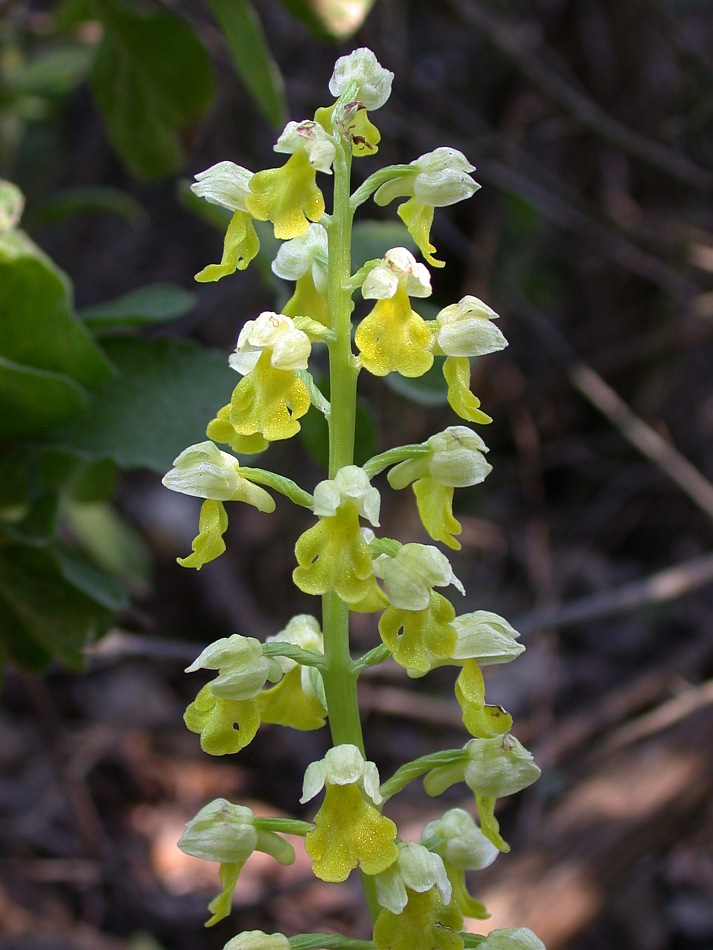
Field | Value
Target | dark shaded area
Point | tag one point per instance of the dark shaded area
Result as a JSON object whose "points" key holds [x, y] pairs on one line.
{"points": [[589, 122]]}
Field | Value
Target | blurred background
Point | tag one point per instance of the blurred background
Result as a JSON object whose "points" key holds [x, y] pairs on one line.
{"points": [[589, 122]]}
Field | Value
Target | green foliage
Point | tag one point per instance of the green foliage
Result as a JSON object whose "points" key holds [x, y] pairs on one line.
{"points": [[251, 56], [151, 78]]}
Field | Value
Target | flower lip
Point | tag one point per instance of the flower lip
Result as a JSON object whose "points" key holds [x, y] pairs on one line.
{"points": [[361, 67]]}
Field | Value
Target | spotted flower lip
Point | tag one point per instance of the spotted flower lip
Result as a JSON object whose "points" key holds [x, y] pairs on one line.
{"points": [[399, 268], [290, 348], [361, 67], [225, 184], [310, 137]]}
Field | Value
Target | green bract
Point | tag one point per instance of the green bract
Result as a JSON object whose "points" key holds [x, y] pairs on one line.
{"points": [[305, 676]]}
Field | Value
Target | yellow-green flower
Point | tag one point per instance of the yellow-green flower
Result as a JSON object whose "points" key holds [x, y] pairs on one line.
{"points": [[334, 555], [228, 185], [271, 397], [415, 870], [455, 460], [229, 834], [225, 713], [393, 337], [221, 430], [349, 830], [463, 847], [425, 922], [289, 196], [437, 179], [466, 328], [258, 940], [512, 938], [295, 701], [411, 573]]}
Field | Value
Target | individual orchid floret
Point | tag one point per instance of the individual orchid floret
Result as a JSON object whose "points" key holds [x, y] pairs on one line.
{"points": [[360, 75], [393, 337], [304, 260], [271, 397], [275, 334], [225, 713], [228, 185], [455, 460], [491, 768], [411, 574], [242, 665], [258, 940], [416, 869], [229, 834], [463, 847], [512, 938], [425, 921], [289, 196], [204, 471], [485, 637], [438, 179], [334, 555], [297, 700], [466, 328], [349, 830]]}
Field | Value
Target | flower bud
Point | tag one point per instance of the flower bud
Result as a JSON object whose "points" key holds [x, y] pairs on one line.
{"points": [[258, 940], [515, 938], [205, 471], [499, 766], [466, 329], [459, 841], [362, 69], [487, 638], [221, 832], [308, 251]]}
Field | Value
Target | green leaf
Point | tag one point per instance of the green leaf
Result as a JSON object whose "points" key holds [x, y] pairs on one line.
{"points": [[156, 303], [166, 393], [55, 72], [33, 399], [151, 79], [87, 200], [37, 326], [39, 524], [430, 389], [52, 603], [251, 56]]}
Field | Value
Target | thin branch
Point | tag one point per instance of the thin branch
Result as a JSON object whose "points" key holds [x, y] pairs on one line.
{"points": [[514, 40]]}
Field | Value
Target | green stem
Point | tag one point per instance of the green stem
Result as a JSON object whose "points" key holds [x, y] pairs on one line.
{"points": [[340, 675]]}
